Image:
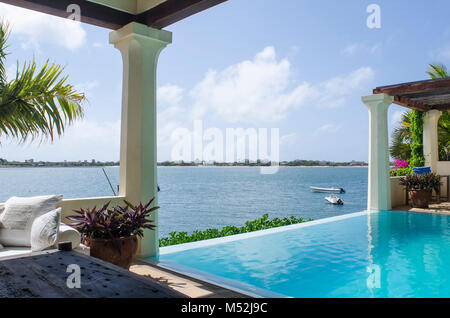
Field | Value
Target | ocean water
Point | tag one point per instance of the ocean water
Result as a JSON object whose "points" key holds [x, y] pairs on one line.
{"points": [[380, 254], [194, 198]]}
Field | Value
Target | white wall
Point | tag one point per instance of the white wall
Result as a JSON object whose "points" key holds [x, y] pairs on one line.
{"points": [[398, 195], [443, 168]]}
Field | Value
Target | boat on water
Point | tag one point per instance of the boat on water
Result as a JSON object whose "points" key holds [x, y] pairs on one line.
{"points": [[334, 200], [329, 190]]}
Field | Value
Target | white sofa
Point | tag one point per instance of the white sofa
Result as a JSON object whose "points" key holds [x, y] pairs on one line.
{"points": [[66, 233], [16, 242]]}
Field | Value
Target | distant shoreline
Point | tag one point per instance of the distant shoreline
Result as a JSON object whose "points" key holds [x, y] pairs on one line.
{"points": [[181, 166]]}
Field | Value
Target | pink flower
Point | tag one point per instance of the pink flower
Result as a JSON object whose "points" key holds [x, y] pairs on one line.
{"points": [[400, 164]]}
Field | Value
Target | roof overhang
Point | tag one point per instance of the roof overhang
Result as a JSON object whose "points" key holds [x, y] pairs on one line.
{"points": [[130, 6], [422, 95], [114, 14]]}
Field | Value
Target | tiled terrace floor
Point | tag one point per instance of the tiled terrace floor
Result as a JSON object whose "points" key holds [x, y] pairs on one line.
{"points": [[186, 285]]}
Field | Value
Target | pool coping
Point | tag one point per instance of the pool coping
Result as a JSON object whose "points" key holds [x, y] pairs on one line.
{"points": [[233, 285]]}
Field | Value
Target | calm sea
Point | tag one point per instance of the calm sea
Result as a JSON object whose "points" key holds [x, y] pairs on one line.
{"points": [[199, 198]]}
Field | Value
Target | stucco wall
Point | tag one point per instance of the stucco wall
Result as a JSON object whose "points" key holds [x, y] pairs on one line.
{"points": [[398, 196], [443, 168]]}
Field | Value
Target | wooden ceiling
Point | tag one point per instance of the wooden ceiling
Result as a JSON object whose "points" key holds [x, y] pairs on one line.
{"points": [[422, 95], [106, 16]]}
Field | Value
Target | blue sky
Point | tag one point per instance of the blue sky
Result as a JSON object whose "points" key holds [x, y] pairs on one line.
{"points": [[300, 66]]}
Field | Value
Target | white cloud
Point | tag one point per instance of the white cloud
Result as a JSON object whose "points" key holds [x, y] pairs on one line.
{"points": [[396, 117], [42, 28], [262, 90], [169, 95], [354, 48], [170, 116], [253, 90], [334, 92], [288, 139], [351, 49], [98, 45], [87, 88], [76, 144], [328, 129]]}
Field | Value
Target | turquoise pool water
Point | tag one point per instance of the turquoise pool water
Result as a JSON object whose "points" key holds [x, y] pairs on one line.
{"points": [[377, 254]]}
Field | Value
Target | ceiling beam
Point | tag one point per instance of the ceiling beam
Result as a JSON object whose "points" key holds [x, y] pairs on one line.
{"points": [[172, 11], [442, 107], [91, 13], [406, 102]]}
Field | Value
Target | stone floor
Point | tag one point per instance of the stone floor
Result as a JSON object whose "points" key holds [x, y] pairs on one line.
{"points": [[439, 208], [186, 285]]}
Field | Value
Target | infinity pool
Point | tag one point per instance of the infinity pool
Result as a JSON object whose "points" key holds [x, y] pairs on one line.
{"points": [[366, 254]]}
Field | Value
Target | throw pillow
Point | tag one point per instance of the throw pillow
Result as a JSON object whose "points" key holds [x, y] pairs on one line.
{"points": [[45, 230]]}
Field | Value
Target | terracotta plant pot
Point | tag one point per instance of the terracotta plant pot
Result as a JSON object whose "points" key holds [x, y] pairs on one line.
{"points": [[420, 198], [119, 251]]}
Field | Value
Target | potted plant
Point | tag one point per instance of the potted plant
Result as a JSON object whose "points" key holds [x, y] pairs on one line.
{"points": [[111, 233], [420, 188]]}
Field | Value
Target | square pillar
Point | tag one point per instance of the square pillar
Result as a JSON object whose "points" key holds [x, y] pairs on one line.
{"points": [[430, 138], [379, 195], [140, 47]]}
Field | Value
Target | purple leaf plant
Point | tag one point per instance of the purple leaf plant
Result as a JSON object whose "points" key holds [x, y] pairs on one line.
{"points": [[116, 222]]}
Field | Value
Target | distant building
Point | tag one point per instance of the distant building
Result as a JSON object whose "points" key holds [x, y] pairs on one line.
{"points": [[29, 161]]}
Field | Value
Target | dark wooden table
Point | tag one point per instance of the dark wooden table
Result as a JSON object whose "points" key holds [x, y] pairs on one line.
{"points": [[44, 274]]}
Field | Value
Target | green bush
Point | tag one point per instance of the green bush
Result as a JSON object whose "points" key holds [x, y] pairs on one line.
{"points": [[400, 172], [417, 158], [250, 226]]}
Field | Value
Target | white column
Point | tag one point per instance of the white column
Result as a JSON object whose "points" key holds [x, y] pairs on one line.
{"points": [[140, 47], [430, 138], [379, 196]]}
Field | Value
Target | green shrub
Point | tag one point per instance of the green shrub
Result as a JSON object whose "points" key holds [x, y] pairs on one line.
{"points": [[250, 226], [400, 172], [417, 158]]}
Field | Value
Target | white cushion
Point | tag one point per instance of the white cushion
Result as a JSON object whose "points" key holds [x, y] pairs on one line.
{"points": [[18, 217], [45, 230], [14, 251], [68, 234]]}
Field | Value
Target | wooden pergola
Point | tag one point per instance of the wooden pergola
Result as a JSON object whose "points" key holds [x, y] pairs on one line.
{"points": [[138, 35], [430, 97], [422, 95]]}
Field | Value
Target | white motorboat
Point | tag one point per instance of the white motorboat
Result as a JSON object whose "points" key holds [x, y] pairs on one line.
{"points": [[334, 200], [329, 190]]}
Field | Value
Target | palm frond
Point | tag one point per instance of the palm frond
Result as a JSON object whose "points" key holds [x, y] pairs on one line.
{"points": [[437, 70], [4, 34], [37, 102]]}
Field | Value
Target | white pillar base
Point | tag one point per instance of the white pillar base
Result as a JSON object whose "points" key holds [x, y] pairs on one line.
{"points": [[379, 195]]}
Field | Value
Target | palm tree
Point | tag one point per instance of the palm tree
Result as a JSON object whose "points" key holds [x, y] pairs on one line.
{"points": [[401, 139], [36, 102]]}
